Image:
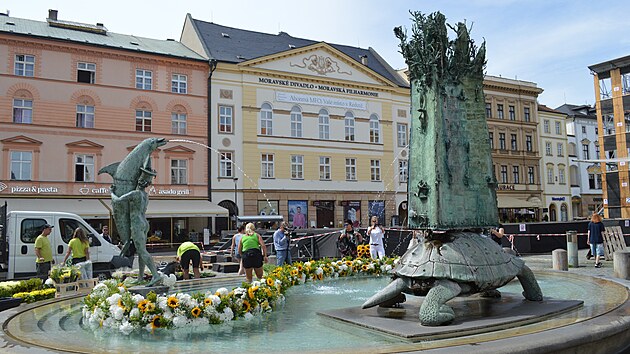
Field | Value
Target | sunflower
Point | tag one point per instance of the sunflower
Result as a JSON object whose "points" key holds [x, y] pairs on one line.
{"points": [[349, 263], [207, 301], [155, 322], [246, 305], [172, 302], [270, 282], [142, 305], [122, 305], [195, 312], [268, 292], [150, 307], [299, 267], [251, 291], [294, 272], [320, 276], [365, 267]]}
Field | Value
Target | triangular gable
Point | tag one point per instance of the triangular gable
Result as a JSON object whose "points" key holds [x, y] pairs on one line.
{"points": [[129, 148], [179, 149], [21, 139], [84, 144], [320, 60]]}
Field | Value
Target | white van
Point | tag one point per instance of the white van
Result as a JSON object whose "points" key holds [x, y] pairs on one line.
{"points": [[21, 228]]}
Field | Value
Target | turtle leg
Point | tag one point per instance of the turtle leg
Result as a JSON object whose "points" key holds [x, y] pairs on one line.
{"points": [[492, 293], [530, 286], [434, 311]]}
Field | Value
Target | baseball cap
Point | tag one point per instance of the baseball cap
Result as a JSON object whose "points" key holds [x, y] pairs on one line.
{"points": [[47, 226]]}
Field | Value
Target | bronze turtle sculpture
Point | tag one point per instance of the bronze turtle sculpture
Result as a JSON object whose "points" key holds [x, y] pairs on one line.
{"points": [[452, 264]]}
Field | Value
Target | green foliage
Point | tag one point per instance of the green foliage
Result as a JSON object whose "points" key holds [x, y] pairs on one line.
{"points": [[62, 275], [7, 289], [36, 295]]}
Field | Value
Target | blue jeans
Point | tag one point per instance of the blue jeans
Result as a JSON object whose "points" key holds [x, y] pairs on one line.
{"points": [[283, 256], [599, 247]]}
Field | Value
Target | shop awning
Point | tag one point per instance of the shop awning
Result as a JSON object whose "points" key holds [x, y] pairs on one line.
{"points": [[508, 202], [167, 208], [85, 208]]}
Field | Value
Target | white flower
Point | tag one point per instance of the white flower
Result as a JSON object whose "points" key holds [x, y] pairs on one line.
{"points": [[121, 289], [109, 322], [215, 300], [248, 316], [278, 282], [335, 275], [303, 278], [168, 315], [180, 321], [319, 271], [239, 291], [223, 291], [256, 283], [162, 303], [137, 298], [307, 264], [388, 267], [344, 267], [125, 328], [113, 300], [358, 262], [135, 313], [49, 282], [169, 281], [149, 327], [228, 314], [118, 313]]}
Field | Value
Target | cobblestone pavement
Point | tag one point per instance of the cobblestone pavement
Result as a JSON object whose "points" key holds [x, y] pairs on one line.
{"points": [[586, 267]]}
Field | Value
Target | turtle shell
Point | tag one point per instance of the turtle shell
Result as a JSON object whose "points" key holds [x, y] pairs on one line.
{"points": [[469, 257]]}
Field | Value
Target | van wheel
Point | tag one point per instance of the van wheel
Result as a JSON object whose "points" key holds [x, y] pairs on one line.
{"points": [[104, 276]]}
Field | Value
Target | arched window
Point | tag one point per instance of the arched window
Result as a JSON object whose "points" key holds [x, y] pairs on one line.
{"points": [[552, 213], [375, 129], [266, 119], [564, 216], [349, 126], [296, 122], [179, 118], [324, 124]]}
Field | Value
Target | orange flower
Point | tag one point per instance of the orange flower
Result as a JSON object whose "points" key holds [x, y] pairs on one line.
{"points": [[195, 312]]}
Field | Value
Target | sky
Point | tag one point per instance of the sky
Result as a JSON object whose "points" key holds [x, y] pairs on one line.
{"points": [[550, 43]]}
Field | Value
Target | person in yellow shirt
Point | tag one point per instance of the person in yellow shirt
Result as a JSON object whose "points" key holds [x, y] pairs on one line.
{"points": [[79, 247], [187, 252], [43, 252]]}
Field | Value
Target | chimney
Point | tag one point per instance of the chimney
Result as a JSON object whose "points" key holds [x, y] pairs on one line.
{"points": [[52, 14], [364, 60]]}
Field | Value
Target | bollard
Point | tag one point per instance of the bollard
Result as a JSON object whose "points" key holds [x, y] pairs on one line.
{"points": [[572, 249], [621, 264], [559, 259]]}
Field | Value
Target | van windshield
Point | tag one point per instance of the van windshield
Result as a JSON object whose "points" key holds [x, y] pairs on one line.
{"points": [[67, 227]]}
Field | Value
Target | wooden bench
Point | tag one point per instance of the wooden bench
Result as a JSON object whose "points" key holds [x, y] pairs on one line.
{"points": [[613, 241]]}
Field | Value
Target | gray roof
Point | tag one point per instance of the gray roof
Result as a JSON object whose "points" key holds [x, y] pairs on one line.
{"points": [[89, 35], [577, 111], [234, 45]]}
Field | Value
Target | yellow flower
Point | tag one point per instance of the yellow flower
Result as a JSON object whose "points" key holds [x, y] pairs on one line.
{"points": [[195, 312], [294, 272], [122, 305], [142, 305], [246, 305], [320, 276], [265, 304], [155, 322], [150, 307], [268, 292], [270, 281], [364, 267], [172, 302], [251, 291], [349, 263], [207, 301], [299, 267]]}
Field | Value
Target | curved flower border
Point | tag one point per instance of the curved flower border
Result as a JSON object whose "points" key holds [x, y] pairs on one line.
{"points": [[111, 306]]}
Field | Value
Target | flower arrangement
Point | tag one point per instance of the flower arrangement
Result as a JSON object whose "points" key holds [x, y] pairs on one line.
{"points": [[363, 251], [35, 295], [110, 305], [8, 288], [63, 274]]}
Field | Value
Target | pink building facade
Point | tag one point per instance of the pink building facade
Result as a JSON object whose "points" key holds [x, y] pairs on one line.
{"points": [[75, 98]]}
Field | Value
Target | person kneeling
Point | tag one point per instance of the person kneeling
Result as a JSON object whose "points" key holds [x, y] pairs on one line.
{"points": [[186, 253]]}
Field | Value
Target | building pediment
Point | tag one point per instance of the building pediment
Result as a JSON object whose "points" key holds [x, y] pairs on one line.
{"points": [[21, 140], [319, 60], [85, 144], [179, 149]]}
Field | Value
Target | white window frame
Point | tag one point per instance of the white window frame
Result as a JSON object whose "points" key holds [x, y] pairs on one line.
{"points": [[548, 151], [21, 163], [226, 164], [297, 166], [88, 67], [351, 169], [85, 163], [296, 122], [531, 175], [85, 116], [24, 110], [375, 129], [560, 148], [561, 175], [375, 170], [24, 65], [324, 124], [179, 83], [403, 171], [179, 124], [267, 166], [144, 79], [146, 120], [558, 128], [179, 171], [226, 119], [266, 119], [546, 126], [402, 135], [324, 168], [550, 174], [349, 127]]}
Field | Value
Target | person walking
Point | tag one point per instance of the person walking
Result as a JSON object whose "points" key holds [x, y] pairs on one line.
{"points": [[105, 234], [595, 238], [43, 252], [187, 252], [282, 244], [254, 252], [376, 233], [79, 247], [236, 240]]}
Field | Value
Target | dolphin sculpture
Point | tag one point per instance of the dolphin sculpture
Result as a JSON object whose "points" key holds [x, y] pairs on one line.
{"points": [[126, 175]]}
